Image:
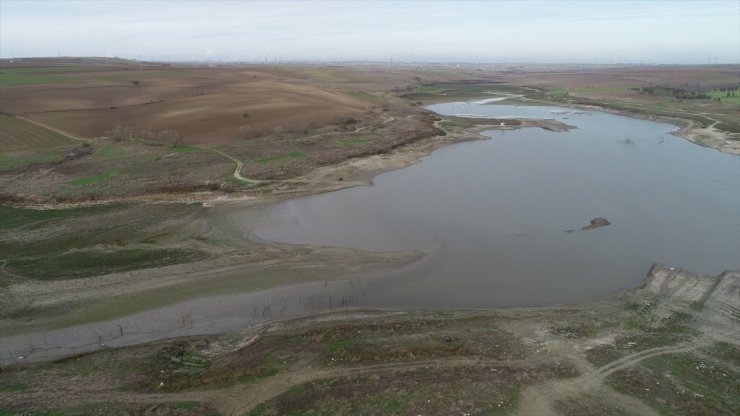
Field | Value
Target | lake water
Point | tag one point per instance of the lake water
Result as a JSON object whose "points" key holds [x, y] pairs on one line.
{"points": [[492, 215]]}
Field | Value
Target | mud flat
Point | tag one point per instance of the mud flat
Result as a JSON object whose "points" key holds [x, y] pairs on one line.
{"points": [[57, 319]]}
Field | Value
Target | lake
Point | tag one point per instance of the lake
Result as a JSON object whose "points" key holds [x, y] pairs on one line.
{"points": [[493, 217], [493, 214]]}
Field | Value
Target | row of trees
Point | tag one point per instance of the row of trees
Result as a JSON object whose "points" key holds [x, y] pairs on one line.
{"points": [[169, 136], [723, 89], [673, 92], [682, 93]]}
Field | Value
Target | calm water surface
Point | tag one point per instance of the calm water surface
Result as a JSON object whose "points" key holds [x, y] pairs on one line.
{"points": [[493, 214]]}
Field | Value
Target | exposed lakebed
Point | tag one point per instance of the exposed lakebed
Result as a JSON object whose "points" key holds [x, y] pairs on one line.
{"points": [[493, 215]]}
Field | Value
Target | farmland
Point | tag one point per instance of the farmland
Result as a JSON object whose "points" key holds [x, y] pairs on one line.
{"points": [[204, 105], [18, 134], [119, 182], [143, 122]]}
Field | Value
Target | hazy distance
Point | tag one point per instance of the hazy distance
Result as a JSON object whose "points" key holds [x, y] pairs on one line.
{"points": [[666, 32]]}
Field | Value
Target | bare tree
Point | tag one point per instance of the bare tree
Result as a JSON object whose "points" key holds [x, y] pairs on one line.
{"points": [[247, 132], [120, 132], [171, 136]]}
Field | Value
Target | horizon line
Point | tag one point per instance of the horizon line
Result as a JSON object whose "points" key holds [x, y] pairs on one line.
{"points": [[361, 61]]}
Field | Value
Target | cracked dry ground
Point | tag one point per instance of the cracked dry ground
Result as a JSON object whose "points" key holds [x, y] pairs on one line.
{"points": [[668, 347]]}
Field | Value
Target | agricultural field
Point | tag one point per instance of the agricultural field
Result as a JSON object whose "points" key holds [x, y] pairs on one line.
{"points": [[730, 97], [154, 129], [205, 105], [620, 89], [17, 134], [172, 130]]}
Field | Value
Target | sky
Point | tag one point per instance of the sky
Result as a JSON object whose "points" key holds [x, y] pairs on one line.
{"points": [[663, 32]]}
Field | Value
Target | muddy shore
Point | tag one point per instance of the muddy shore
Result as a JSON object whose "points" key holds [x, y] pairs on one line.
{"points": [[361, 171], [246, 265], [665, 345], [687, 129]]}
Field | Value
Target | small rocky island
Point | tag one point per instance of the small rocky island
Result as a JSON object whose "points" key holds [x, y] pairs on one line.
{"points": [[596, 223]]}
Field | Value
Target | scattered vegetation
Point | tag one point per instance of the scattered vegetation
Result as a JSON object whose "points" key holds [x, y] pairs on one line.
{"points": [[652, 333], [292, 154], [10, 79], [87, 180], [94, 262], [357, 139], [452, 391], [14, 387], [116, 409], [451, 91], [727, 94], [682, 384], [82, 242], [9, 163]]}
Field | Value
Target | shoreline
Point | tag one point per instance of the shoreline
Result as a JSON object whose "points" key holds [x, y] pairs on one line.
{"points": [[361, 171], [49, 345], [686, 128]]}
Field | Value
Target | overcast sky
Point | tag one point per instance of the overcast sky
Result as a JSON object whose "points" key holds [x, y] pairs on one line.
{"points": [[686, 32]]}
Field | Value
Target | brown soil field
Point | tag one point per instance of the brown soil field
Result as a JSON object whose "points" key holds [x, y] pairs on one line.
{"points": [[17, 134], [206, 104], [613, 85], [619, 76], [203, 105]]}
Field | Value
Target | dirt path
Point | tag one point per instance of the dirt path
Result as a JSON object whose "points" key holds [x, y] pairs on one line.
{"points": [[717, 321], [540, 399], [239, 164], [635, 358], [237, 169], [240, 399]]}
